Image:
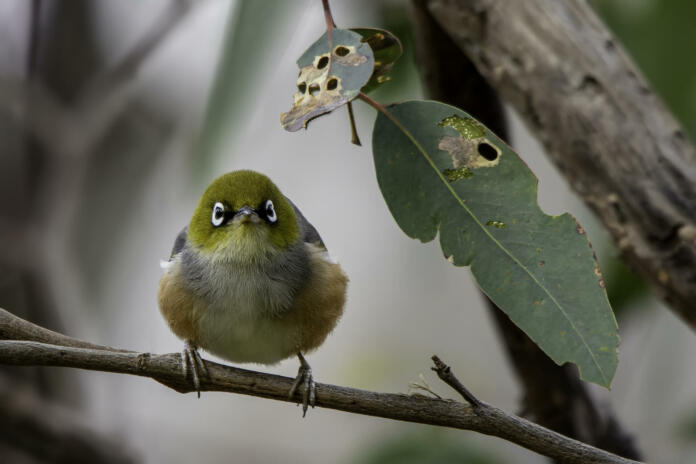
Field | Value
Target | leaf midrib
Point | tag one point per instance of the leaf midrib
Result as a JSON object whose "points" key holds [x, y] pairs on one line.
{"points": [[415, 142]]}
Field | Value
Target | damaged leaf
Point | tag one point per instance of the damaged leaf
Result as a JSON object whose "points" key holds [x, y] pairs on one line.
{"points": [[442, 171], [331, 75], [470, 149], [386, 48]]}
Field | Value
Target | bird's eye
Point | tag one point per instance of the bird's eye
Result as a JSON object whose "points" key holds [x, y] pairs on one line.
{"points": [[218, 214], [270, 212]]}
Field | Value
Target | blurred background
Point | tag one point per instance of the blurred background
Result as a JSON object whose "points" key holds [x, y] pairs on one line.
{"points": [[114, 116]]}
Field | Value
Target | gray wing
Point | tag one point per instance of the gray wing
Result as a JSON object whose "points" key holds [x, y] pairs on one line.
{"points": [[179, 243], [307, 231]]}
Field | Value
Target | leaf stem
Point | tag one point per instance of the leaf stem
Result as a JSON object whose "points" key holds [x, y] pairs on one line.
{"points": [[379, 107], [354, 138], [330, 24]]}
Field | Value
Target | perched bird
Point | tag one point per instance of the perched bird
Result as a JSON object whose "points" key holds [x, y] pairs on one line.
{"points": [[250, 280]]}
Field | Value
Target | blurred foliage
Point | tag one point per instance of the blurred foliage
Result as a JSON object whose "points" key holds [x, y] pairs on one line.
{"points": [[386, 48], [128, 154], [245, 55], [686, 427], [660, 36], [431, 446], [624, 287], [404, 83]]}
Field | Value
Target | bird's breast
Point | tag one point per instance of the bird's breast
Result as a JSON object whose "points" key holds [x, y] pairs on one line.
{"points": [[262, 315]]}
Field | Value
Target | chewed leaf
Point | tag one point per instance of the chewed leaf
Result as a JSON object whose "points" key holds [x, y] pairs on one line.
{"points": [[386, 48], [331, 75], [470, 149], [442, 171]]}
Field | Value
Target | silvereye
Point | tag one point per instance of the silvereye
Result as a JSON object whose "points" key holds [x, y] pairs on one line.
{"points": [[250, 280]]}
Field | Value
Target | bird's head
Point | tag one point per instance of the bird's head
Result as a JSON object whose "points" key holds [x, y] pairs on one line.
{"points": [[243, 216]]}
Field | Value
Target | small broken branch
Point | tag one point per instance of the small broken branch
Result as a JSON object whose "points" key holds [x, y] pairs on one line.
{"points": [[446, 375], [166, 369]]}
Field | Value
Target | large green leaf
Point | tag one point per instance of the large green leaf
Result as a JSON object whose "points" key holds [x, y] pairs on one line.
{"points": [[441, 170], [331, 74]]}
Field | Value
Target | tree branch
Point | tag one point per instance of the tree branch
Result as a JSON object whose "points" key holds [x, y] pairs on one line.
{"points": [[607, 132], [166, 369]]}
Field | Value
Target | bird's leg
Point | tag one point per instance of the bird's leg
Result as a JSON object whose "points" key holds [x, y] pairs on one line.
{"points": [[309, 389], [192, 362]]}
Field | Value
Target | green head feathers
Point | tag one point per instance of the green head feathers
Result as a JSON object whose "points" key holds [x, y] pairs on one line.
{"points": [[243, 214]]}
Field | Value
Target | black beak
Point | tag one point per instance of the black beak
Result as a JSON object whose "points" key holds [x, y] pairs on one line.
{"points": [[245, 214]]}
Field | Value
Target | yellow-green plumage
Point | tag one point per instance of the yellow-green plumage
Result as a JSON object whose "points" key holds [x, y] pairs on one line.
{"points": [[237, 189], [251, 290]]}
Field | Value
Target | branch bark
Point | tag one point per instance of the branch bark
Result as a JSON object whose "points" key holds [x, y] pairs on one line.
{"points": [[604, 128], [166, 369], [554, 396]]}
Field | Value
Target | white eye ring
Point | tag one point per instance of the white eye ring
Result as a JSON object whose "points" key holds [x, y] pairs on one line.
{"points": [[218, 214], [270, 212]]}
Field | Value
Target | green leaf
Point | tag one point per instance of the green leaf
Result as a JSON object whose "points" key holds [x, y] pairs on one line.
{"points": [[331, 75], [386, 48], [441, 170]]}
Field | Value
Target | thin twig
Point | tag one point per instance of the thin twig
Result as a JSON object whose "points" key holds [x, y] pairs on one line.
{"points": [[330, 23], [166, 369], [354, 138], [446, 375], [379, 107]]}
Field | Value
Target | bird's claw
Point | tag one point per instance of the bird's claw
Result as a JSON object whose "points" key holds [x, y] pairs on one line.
{"points": [[191, 362], [306, 381]]}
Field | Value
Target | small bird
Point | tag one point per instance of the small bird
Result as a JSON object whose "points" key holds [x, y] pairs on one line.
{"points": [[250, 280]]}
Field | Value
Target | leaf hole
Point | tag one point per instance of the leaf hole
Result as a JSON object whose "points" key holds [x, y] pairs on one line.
{"points": [[314, 89], [323, 61], [341, 50], [487, 151], [331, 84], [302, 87]]}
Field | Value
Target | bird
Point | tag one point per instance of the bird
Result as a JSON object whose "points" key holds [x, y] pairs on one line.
{"points": [[250, 280]]}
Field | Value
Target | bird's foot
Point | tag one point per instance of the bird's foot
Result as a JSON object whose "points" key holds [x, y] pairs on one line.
{"points": [[304, 381], [192, 363]]}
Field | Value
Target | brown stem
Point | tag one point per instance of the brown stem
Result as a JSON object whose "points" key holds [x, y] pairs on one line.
{"points": [[354, 138], [379, 107], [330, 24], [446, 375]]}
